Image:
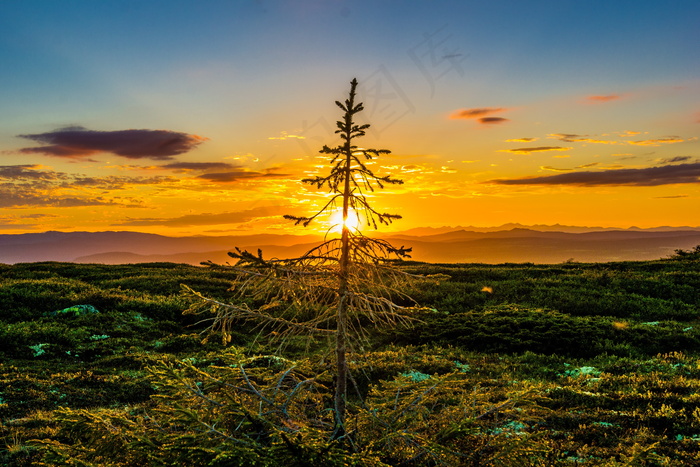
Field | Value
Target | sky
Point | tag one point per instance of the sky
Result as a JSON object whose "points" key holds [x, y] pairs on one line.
{"points": [[201, 118]]}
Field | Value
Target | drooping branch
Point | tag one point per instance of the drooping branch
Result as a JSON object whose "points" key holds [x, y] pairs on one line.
{"points": [[340, 288]]}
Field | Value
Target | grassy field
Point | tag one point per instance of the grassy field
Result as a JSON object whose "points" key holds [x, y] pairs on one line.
{"points": [[514, 364]]}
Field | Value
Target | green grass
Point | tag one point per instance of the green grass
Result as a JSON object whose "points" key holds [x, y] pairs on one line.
{"points": [[517, 364]]}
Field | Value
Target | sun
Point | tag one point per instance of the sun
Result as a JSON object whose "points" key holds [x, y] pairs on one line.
{"points": [[336, 221]]}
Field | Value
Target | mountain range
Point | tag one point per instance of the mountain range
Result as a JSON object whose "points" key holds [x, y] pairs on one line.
{"points": [[512, 243]]}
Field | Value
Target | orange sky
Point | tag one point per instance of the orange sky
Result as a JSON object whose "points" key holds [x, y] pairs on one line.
{"points": [[565, 120]]}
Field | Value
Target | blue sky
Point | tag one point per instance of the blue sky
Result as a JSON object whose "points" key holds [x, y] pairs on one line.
{"points": [[256, 81]]}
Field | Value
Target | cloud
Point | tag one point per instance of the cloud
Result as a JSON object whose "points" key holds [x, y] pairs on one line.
{"points": [[414, 168], [585, 166], [521, 140], [78, 142], [606, 98], [650, 176], [112, 182], [673, 160], [671, 197], [29, 172], [554, 169], [33, 185], [480, 114], [285, 136], [574, 138], [27, 221], [18, 196], [492, 120], [237, 175], [571, 138], [199, 166], [210, 218], [660, 141], [536, 149], [475, 113]]}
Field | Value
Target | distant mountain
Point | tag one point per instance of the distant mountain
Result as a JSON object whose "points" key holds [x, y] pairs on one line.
{"points": [[516, 244], [69, 246], [423, 231]]}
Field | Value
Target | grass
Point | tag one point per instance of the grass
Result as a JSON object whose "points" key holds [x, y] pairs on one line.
{"points": [[517, 364]]}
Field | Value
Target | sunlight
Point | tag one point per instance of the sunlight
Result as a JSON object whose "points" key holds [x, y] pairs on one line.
{"points": [[336, 221]]}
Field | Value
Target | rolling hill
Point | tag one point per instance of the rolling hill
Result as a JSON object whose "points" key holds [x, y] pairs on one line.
{"points": [[517, 244]]}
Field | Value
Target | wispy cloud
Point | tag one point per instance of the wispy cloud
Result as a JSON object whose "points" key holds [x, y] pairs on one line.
{"points": [[29, 172], [482, 115], [26, 221], [238, 175], [492, 120], [603, 98], [199, 166], [79, 143], [113, 182], [476, 113], [210, 218], [590, 164], [573, 138], [660, 141], [20, 196], [650, 176], [285, 136], [521, 140], [673, 160], [554, 169], [536, 149], [35, 185]]}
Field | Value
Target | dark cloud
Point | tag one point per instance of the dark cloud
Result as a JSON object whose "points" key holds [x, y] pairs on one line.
{"points": [[554, 169], [475, 113], [536, 149], [209, 218], [112, 182], [673, 160], [79, 142], [590, 164], [25, 222], [31, 185], [29, 172], [225, 177], [187, 166], [650, 176], [12, 196], [492, 120], [568, 137], [573, 138]]}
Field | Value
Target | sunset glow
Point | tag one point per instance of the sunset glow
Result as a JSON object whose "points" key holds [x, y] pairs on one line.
{"points": [[205, 121], [336, 222]]}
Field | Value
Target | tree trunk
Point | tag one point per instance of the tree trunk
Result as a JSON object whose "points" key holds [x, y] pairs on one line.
{"points": [[340, 401]]}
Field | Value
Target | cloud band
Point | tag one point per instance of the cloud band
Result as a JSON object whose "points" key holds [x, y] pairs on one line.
{"points": [[79, 142]]}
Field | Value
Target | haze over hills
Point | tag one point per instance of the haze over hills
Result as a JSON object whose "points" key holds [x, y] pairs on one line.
{"points": [[509, 243]]}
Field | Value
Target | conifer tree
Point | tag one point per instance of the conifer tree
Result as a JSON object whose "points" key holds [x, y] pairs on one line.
{"points": [[341, 287]]}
